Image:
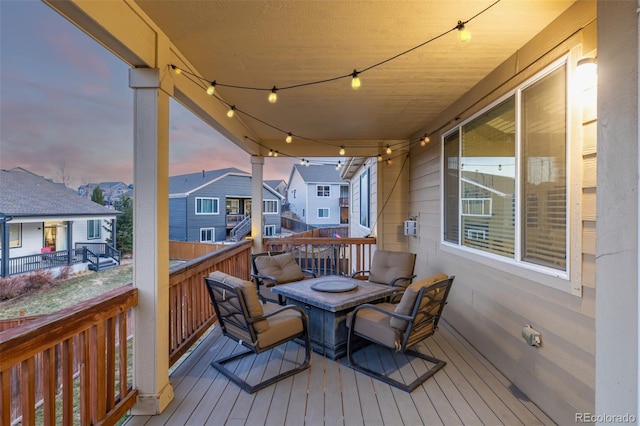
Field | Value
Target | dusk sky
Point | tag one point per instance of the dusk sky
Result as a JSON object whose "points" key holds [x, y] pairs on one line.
{"points": [[65, 101]]}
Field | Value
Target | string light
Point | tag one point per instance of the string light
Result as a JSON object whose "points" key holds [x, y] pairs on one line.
{"points": [[338, 165], [302, 162], [211, 88], [275, 154], [355, 80], [424, 140], [289, 138], [342, 151], [379, 157], [307, 163], [270, 153], [388, 149], [388, 161], [177, 70], [273, 96], [463, 33], [231, 111]]}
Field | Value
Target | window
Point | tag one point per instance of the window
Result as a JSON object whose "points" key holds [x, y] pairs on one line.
{"points": [[269, 230], [270, 206], [207, 235], [206, 205], [323, 190], [505, 176], [15, 235], [323, 213], [365, 192], [93, 229]]}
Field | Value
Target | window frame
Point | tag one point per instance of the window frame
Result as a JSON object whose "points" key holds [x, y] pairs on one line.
{"points": [[213, 234], [89, 222], [328, 213], [267, 234], [19, 239], [366, 172], [569, 279], [215, 205], [323, 191], [275, 204]]}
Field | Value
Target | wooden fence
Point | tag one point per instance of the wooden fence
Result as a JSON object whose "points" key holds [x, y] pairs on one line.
{"points": [[181, 250], [73, 362]]}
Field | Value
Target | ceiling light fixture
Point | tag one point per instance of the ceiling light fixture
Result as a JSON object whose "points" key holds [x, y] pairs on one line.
{"points": [[355, 80], [212, 88], [587, 73], [273, 96], [463, 33]]}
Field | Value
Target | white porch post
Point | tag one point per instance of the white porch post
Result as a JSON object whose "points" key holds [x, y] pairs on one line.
{"points": [[617, 211], [257, 165], [151, 241]]}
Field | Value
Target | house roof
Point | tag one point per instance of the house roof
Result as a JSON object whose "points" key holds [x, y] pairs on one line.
{"points": [[183, 185], [274, 182], [25, 194], [321, 173]]}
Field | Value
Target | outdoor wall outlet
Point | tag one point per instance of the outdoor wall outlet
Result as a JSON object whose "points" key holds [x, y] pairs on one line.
{"points": [[531, 335], [411, 228]]}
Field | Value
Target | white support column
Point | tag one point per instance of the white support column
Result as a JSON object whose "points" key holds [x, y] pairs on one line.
{"points": [[151, 241], [257, 165]]}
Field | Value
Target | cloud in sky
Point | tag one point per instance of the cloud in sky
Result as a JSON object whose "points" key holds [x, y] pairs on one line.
{"points": [[64, 99]]}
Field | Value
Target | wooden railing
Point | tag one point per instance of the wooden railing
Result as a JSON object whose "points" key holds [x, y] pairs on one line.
{"points": [[190, 312], [326, 256], [71, 366], [52, 259], [182, 250]]}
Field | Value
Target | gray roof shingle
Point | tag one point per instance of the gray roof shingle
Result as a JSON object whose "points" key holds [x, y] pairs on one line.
{"points": [[25, 194], [324, 173], [183, 184]]}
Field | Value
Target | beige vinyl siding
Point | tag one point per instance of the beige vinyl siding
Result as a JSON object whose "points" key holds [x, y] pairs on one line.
{"points": [[490, 301]]}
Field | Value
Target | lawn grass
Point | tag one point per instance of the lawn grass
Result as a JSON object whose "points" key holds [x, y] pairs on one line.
{"points": [[68, 293]]}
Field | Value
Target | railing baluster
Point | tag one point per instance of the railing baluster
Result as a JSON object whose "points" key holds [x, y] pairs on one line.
{"points": [[27, 386], [49, 385]]}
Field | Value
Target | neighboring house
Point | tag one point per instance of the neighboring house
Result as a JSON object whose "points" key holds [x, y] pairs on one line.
{"points": [[208, 205], [111, 191], [318, 195], [280, 186], [41, 220]]}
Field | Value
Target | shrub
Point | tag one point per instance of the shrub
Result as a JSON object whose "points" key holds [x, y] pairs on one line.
{"points": [[64, 272], [11, 287], [38, 279]]}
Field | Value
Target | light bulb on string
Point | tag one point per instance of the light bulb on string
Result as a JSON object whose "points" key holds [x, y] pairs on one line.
{"points": [[355, 80], [289, 138], [388, 149], [307, 163], [388, 161], [302, 162], [275, 154], [463, 33], [212, 88], [270, 153], [379, 157], [273, 96], [338, 165], [231, 111], [342, 151], [176, 69]]}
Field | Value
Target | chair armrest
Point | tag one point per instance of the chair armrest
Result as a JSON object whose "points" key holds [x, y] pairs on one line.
{"points": [[265, 277], [408, 278], [359, 273], [310, 273], [278, 310], [379, 309]]}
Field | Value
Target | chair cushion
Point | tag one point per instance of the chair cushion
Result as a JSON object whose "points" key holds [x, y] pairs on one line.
{"points": [[282, 326], [406, 304], [250, 297], [282, 267], [389, 265], [375, 325]]}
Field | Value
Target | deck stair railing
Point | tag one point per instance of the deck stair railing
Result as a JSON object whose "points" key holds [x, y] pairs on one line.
{"points": [[242, 229]]}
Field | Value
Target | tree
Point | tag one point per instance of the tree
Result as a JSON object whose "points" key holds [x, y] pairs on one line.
{"points": [[124, 225], [97, 196], [63, 173]]}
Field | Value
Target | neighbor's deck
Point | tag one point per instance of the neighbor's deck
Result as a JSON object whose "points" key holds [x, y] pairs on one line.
{"points": [[468, 391]]}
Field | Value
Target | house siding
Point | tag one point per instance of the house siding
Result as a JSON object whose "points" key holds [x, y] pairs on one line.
{"points": [[355, 229], [297, 196], [489, 304], [332, 203], [185, 225]]}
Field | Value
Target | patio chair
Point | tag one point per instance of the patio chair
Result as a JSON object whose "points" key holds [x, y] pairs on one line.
{"points": [[275, 268], [257, 327], [394, 268], [400, 326]]}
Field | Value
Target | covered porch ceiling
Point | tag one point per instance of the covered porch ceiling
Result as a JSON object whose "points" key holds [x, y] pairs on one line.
{"points": [[282, 43], [422, 67]]}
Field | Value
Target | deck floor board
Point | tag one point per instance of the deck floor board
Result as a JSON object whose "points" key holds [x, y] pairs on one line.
{"points": [[468, 391]]}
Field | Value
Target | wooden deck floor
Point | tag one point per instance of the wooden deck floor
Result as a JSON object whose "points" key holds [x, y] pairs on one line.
{"points": [[468, 391]]}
